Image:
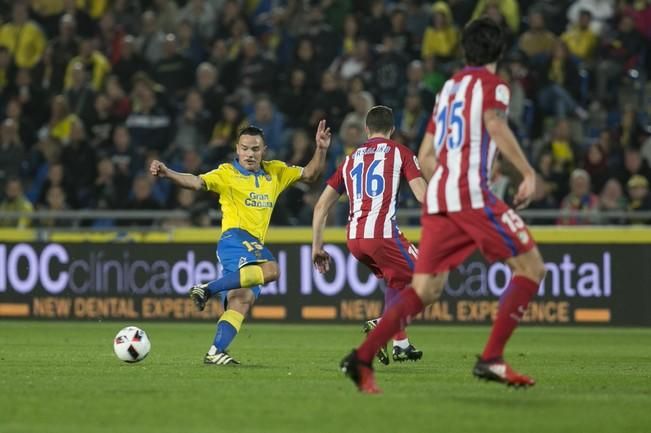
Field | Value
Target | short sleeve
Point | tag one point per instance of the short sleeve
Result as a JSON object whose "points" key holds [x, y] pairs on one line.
{"points": [[216, 179], [497, 95], [336, 181], [286, 174], [410, 167]]}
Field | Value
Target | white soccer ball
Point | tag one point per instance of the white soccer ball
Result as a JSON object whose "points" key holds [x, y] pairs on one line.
{"points": [[131, 344]]}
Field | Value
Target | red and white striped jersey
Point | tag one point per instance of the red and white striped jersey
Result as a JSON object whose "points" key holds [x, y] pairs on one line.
{"points": [[371, 178], [464, 150]]}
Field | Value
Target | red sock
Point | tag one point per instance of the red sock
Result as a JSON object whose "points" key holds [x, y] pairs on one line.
{"points": [[407, 305], [400, 335], [512, 308]]}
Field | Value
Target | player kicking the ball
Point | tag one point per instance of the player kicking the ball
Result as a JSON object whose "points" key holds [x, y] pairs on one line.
{"points": [[460, 214], [371, 176], [248, 188]]}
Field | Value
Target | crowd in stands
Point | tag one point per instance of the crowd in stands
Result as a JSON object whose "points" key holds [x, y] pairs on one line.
{"points": [[92, 90]]}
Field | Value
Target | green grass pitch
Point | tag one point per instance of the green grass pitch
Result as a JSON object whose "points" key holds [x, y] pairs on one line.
{"points": [[63, 377]]}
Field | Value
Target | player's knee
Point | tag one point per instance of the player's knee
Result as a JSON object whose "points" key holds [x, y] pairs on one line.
{"points": [[270, 271], [241, 300], [429, 288]]}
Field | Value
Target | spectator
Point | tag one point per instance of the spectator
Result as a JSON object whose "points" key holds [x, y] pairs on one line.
{"points": [[493, 12], [508, 8], [110, 190], [299, 153], [271, 122], [174, 72], [120, 105], [560, 85], [79, 157], [256, 71], [579, 200], [537, 42], [150, 126], [100, 122], [93, 61], [411, 120], [86, 26], [59, 53], [15, 201], [200, 14], [441, 39], [12, 151], [417, 81], [601, 10], [166, 13], [330, 103], [640, 198], [633, 165], [581, 40], [294, 99], [31, 96], [23, 37], [361, 103], [55, 200], [141, 199], [403, 41], [388, 74], [189, 43], [417, 19], [562, 148], [61, 119], [354, 64], [620, 51], [376, 22], [129, 62], [350, 34], [612, 199], [80, 95], [305, 59], [542, 198], [554, 176], [125, 158], [211, 91], [110, 37], [193, 124], [151, 40], [24, 126], [596, 165], [224, 133]]}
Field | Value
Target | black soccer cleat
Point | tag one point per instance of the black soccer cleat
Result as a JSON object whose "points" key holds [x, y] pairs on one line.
{"points": [[408, 354], [499, 371], [360, 373], [382, 354], [220, 358], [199, 294]]}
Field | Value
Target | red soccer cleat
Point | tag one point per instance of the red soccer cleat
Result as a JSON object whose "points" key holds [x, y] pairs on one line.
{"points": [[499, 371], [360, 373]]}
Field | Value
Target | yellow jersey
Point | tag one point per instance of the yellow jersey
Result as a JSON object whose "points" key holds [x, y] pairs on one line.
{"points": [[248, 198]]}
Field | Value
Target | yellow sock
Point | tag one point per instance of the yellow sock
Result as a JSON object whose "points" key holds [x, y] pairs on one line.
{"points": [[233, 317], [251, 276]]}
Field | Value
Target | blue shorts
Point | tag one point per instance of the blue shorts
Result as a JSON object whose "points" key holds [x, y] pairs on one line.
{"points": [[238, 248]]}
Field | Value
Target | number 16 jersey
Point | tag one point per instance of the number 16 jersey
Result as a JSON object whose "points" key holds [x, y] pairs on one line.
{"points": [[371, 177]]}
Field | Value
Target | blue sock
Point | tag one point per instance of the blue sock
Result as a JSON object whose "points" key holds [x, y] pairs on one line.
{"points": [[227, 282], [224, 336]]}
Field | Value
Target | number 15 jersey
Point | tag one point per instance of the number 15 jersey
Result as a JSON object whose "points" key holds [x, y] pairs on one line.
{"points": [[464, 150], [371, 177]]}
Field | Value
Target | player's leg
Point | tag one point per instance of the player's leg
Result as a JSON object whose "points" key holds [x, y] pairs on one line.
{"points": [[502, 235], [443, 246], [246, 262], [229, 324]]}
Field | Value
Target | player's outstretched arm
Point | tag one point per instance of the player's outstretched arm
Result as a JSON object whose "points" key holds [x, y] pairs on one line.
{"points": [[315, 167], [320, 258], [499, 130], [184, 180], [427, 157]]}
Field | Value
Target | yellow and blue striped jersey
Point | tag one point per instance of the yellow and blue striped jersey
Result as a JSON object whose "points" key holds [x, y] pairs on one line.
{"points": [[248, 198]]}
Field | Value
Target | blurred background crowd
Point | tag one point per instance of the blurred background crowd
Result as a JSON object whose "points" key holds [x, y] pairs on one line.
{"points": [[92, 90]]}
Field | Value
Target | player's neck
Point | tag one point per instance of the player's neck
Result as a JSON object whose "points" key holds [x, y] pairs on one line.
{"points": [[377, 135], [490, 67]]}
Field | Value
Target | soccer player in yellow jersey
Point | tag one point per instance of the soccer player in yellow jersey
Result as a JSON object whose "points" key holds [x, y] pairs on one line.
{"points": [[248, 188]]}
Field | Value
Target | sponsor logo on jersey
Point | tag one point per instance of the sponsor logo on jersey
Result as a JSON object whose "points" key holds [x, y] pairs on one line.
{"points": [[258, 201]]}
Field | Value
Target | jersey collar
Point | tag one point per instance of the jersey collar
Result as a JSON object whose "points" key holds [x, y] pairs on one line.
{"points": [[245, 172]]}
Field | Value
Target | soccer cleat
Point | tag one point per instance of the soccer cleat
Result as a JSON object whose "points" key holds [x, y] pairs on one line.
{"points": [[199, 295], [219, 358], [408, 354], [382, 354], [360, 373], [500, 371]]}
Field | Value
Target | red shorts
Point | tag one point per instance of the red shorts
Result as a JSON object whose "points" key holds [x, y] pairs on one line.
{"points": [[447, 239], [390, 259]]}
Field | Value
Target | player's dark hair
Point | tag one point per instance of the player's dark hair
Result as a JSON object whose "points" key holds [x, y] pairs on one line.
{"points": [[379, 119], [482, 41], [251, 130]]}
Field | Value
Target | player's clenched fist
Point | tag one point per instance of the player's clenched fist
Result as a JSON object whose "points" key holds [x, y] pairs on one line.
{"points": [[321, 260], [157, 168]]}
